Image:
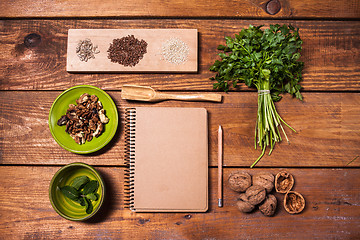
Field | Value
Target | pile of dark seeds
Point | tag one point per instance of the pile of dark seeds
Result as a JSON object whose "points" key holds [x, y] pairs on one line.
{"points": [[127, 51]]}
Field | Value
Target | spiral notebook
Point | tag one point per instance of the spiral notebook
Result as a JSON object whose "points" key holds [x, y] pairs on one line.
{"points": [[167, 159]]}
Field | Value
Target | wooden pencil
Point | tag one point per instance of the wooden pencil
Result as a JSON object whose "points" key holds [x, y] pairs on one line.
{"points": [[220, 155]]}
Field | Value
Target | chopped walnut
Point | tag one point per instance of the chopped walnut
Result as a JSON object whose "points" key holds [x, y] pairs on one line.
{"points": [[79, 138], [62, 121], [94, 98], [98, 130], [83, 99], [85, 120], [102, 116]]}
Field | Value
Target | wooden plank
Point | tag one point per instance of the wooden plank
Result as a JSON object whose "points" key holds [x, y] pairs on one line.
{"points": [[177, 8], [332, 205], [327, 125], [155, 59], [330, 51]]}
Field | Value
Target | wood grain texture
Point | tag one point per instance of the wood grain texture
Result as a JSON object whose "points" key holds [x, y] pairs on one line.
{"points": [[332, 210], [327, 124], [331, 54], [180, 8]]}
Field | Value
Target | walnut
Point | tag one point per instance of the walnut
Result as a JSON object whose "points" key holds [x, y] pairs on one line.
{"points": [[284, 181], [98, 130], [83, 98], [71, 115], [294, 202], [255, 194], [94, 98], [72, 107], [239, 181], [268, 207], [62, 121], [79, 138], [89, 138], [99, 105], [85, 120], [265, 180], [102, 116], [243, 204], [92, 125]]}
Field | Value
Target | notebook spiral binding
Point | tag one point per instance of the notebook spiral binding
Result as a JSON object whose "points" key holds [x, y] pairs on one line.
{"points": [[129, 157]]}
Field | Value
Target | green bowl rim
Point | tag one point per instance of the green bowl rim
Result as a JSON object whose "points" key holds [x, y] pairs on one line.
{"points": [[101, 185], [112, 134]]}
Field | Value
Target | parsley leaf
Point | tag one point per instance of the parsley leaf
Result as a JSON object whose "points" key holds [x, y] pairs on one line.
{"points": [[255, 55]]}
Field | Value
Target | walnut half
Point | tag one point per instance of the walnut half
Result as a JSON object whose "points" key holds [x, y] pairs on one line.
{"points": [[284, 182], [294, 202]]}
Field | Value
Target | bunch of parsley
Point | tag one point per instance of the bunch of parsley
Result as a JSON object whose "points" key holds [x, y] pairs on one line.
{"points": [[268, 60]]}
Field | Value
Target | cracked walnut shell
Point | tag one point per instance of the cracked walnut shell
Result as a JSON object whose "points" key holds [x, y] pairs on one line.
{"points": [[284, 182], [294, 202], [239, 181], [265, 180]]}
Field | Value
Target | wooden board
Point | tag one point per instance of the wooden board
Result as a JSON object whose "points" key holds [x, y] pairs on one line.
{"points": [[153, 60], [332, 210], [327, 125], [175, 8], [330, 52]]}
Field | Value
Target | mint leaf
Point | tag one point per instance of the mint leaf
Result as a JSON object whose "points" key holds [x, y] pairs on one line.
{"points": [[92, 196], [79, 182], [81, 201], [91, 187], [88, 205], [70, 192]]}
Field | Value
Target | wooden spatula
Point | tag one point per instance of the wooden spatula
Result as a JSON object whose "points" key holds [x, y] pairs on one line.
{"points": [[148, 94]]}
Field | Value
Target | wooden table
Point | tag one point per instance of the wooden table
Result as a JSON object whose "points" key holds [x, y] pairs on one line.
{"points": [[32, 74]]}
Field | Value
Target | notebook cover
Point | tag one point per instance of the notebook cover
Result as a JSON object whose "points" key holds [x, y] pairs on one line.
{"points": [[171, 160]]}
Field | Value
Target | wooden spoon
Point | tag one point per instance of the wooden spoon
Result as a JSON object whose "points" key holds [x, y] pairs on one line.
{"points": [[148, 94]]}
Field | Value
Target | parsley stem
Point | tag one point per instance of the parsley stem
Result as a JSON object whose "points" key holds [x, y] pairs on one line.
{"points": [[268, 125], [262, 154]]}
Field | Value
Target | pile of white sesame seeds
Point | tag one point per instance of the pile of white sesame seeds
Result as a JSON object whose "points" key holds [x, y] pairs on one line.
{"points": [[175, 51]]}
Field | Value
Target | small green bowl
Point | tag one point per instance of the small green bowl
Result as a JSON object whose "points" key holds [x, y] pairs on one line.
{"points": [[61, 104], [66, 207]]}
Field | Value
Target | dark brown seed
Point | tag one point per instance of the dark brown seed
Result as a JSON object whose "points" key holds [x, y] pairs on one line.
{"points": [[127, 51]]}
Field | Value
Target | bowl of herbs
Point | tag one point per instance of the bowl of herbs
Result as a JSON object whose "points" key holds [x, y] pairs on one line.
{"points": [[76, 191]]}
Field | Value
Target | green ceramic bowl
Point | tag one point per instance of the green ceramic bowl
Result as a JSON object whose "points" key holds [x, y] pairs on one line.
{"points": [[66, 207], [61, 104]]}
